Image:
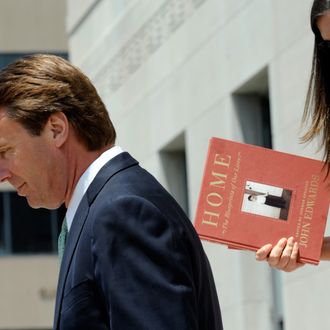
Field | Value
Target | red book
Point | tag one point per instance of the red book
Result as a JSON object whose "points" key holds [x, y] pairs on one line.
{"points": [[251, 196]]}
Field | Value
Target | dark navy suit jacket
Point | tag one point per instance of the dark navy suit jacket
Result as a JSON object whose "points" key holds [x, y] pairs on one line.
{"points": [[133, 259]]}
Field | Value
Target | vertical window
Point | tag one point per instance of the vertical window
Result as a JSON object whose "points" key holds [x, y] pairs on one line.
{"points": [[173, 158], [251, 102], [8, 58], [25, 230]]}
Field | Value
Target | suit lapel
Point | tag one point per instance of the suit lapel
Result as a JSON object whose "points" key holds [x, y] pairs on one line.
{"points": [[115, 165]]}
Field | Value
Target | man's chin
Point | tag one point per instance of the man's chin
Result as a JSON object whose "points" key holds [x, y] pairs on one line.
{"points": [[35, 204], [38, 204]]}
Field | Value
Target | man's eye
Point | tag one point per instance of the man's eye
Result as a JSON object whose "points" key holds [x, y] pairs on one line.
{"points": [[3, 153]]}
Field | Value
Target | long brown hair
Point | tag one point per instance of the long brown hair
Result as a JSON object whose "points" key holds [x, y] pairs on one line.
{"points": [[317, 106], [34, 87]]}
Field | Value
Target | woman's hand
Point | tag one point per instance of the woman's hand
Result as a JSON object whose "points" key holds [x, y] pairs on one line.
{"points": [[282, 256]]}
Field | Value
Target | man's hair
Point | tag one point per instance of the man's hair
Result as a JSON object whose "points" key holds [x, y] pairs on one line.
{"points": [[34, 87], [317, 106]]}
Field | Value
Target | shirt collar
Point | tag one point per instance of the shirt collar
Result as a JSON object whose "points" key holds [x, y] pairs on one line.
{"points": [[86, 179]]}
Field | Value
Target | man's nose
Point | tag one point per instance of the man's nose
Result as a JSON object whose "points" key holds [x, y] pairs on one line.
{"points": [[4, 174]]}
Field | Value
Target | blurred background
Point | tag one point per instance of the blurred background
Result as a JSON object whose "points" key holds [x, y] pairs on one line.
{"points": [[172, 73]]}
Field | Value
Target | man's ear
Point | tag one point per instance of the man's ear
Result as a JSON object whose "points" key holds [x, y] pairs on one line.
{"points": [[58, 126]]}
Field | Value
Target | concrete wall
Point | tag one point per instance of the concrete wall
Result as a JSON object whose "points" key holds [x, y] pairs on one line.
{"points": [[27, 291], [168, 69], [32, 25]]}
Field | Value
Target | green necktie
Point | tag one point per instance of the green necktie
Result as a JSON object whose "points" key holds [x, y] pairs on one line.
{"points": [[62, 239]]}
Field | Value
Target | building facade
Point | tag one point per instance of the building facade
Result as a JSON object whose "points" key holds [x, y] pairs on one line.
{"points": [[173, 73]]}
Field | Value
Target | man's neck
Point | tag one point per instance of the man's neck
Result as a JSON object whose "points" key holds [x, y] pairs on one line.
{"points": [[79, 161]]}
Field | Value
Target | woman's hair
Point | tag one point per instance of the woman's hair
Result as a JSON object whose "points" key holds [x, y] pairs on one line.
{"points": [[34, 87], [317, 106]]}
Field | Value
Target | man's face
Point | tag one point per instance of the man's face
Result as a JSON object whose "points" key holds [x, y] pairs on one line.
{"points": [[31, 164]]}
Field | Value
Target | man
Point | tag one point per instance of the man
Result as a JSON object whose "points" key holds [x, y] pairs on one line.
{"points": [[270, 200], [132, 259]]}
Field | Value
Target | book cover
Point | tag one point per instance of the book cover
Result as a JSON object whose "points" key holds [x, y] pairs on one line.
{"points": [[251, 196]]}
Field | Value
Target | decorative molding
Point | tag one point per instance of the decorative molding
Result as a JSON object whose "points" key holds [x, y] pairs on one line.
{"points": [[146, 41]]}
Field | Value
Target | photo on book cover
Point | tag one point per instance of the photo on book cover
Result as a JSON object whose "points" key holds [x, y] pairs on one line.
{"points": [[266, 200]]}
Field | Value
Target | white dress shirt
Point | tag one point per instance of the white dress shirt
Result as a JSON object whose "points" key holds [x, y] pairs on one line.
{"points": [[261, 199], [85, 181]]}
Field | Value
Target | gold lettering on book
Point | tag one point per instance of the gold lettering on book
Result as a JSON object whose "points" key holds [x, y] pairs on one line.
{"points": [[214, 199], [307, 210], [233, 185]]}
